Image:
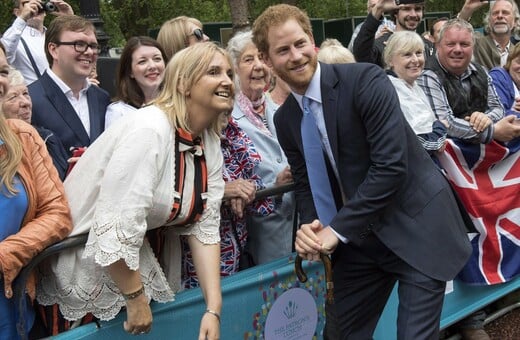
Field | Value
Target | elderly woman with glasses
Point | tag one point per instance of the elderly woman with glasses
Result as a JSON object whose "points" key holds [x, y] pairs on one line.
{"points": [[270, 237], [180, 32]]}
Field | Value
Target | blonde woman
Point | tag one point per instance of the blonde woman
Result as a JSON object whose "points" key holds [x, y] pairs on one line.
{"points": [[179, 33], [161, 166], [33, 210], [404, 59]]}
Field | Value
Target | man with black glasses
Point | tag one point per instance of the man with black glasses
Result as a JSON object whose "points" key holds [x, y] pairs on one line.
{"points": [[63, 99]]}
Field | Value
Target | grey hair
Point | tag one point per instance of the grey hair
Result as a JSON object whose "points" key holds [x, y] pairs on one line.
{"points": [[236, 46], [335, 54], [15, 77], [401, 42], [516, 14], [458, 23]]}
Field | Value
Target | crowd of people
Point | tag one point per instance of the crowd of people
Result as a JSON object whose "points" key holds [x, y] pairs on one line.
{"points": [[163, 176]]}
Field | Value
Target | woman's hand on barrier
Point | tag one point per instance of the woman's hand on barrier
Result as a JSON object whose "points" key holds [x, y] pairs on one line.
{"points": [[240, 188], [237, 206], [284, 176], [138, 312], [209, 327], [139, 316]]}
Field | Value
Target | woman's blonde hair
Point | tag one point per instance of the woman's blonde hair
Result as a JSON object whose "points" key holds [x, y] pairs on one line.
{"points": [[173, 34], [514, 52], [10, 155], [402, 42], [332, 51], [10, 150], [181, 74], [15, 77]]}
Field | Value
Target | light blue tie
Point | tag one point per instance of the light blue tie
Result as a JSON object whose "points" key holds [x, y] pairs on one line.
{"points": [[316, 168]]}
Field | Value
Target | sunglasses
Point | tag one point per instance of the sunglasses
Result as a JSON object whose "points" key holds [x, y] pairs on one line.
{"points": [[198, 33]]}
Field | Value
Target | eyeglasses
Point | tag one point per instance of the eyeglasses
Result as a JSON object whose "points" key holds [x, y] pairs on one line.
{"points": [[198, 33], [80, 46]]}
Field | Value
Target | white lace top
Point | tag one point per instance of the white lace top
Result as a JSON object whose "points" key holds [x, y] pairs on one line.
{"points": [[121, 187]]}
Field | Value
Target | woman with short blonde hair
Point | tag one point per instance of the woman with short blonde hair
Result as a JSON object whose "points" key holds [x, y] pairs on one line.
{"points": [[404, 60]]}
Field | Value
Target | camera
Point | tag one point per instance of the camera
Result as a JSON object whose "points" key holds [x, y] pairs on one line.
{"points": [[47, 7]]}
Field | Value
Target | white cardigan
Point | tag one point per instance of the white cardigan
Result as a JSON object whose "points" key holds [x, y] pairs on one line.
{"points": [[121, 187]]}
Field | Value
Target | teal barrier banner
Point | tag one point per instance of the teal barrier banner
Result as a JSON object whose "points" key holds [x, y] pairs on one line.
{"points": [[264, 302], [268, 302]]}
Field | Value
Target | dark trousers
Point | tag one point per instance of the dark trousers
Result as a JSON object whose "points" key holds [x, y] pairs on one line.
{"points": [[363, 280]]}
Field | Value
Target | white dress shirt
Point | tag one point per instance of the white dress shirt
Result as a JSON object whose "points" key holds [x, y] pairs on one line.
{"points": [[16, 54], [79, 104]]}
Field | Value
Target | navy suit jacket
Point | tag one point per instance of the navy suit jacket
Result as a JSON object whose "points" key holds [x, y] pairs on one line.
{"points": [[393, 188], [52, 110]]}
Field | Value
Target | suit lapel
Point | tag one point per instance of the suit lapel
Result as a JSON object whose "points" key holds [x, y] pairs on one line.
{"points": [[93, 111], [296, 114], [330, 102], [62, 105]]}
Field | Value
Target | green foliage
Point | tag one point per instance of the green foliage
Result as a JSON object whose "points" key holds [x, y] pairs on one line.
{"points": [[325, 9], [126, 18], [6, 14], [111, 18]]}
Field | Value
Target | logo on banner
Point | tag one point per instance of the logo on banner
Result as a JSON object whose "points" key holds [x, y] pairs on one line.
{"points": [[294, 315]]}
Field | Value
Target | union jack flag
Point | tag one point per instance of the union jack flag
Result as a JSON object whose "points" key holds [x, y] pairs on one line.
{"points": [[487, 180]]}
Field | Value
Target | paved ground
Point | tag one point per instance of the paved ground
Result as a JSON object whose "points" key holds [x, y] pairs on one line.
{"points": [[505, 328]]}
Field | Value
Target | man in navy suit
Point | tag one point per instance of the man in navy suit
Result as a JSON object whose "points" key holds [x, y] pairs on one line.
{"points": [[396, 216], [63, 99]]}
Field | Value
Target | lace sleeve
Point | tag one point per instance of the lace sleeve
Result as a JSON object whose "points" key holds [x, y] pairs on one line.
{"points": [[125, 197]]}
